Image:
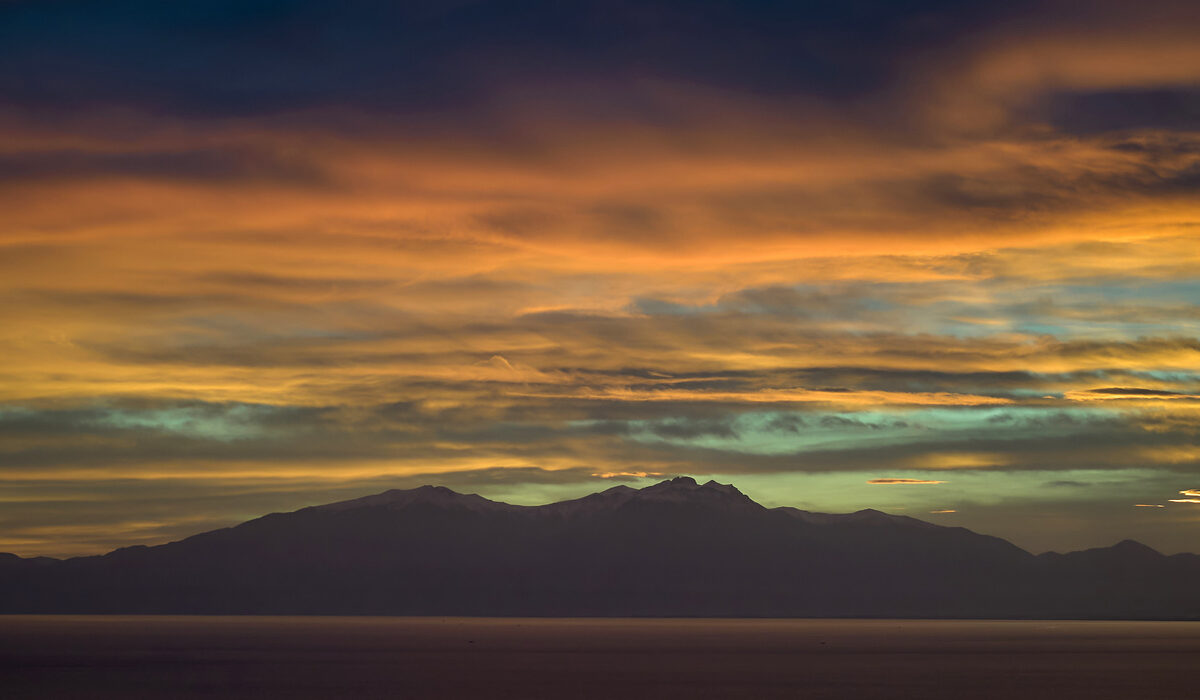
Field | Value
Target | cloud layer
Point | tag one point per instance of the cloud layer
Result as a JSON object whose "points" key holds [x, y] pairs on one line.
{"points": [[258, 255]]}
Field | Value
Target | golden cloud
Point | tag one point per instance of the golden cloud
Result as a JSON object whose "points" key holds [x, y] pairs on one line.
{"points": [[619, 475]]}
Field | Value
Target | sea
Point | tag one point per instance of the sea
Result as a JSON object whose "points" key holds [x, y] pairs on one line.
{"points": [[62, 656]]}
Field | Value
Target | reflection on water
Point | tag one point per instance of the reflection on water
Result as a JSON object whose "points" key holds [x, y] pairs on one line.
{"points": [[375, 657]]}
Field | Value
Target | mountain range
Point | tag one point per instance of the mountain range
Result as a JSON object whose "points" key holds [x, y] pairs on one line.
{"points": [[677, 548]]}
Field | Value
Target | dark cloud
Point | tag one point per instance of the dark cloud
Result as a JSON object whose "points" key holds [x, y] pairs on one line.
{"points": [[801, 302], [690, 429], [1158, 146], [1018, 193], [259, 281], [1025, 192], [141, 433], [852, 423], [1123, 110], [1134, 391], [786, 423], [214, 166]]}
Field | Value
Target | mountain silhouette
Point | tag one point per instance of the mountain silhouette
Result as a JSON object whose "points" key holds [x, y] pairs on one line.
{"points": [[677, 548]]}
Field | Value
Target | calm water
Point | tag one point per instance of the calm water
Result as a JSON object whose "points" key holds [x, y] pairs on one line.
{"points": [[331, 657]]}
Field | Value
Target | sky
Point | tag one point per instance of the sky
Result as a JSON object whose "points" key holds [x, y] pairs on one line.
{"points": [[936, 258]]}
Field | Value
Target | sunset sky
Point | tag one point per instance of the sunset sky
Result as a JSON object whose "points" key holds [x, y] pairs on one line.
{"points": [[936, 258]]}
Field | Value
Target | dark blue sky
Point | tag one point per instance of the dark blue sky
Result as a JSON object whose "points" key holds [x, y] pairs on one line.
{"points": [[250, 57]]}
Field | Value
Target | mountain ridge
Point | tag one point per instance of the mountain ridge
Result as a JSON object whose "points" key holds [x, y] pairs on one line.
{"points": [[665, 490], [677, 547]]}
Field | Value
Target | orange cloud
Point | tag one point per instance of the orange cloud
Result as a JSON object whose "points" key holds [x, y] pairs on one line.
{"points": [[619, 475], [959, 460], [901, 482]]}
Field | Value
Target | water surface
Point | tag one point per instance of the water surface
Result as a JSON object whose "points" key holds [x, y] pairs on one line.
{"points": [[380, 657]]}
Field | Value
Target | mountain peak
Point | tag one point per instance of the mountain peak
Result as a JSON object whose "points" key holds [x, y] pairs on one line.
{"points": [[724, 488], [1124, 551], [685, 489], [685, 482], [870, 515], [1133, 547], [866, 516], [681, 489], [397, 498]]}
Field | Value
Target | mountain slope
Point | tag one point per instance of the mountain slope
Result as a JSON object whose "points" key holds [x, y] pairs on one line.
{"points": [[674, 548]]}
